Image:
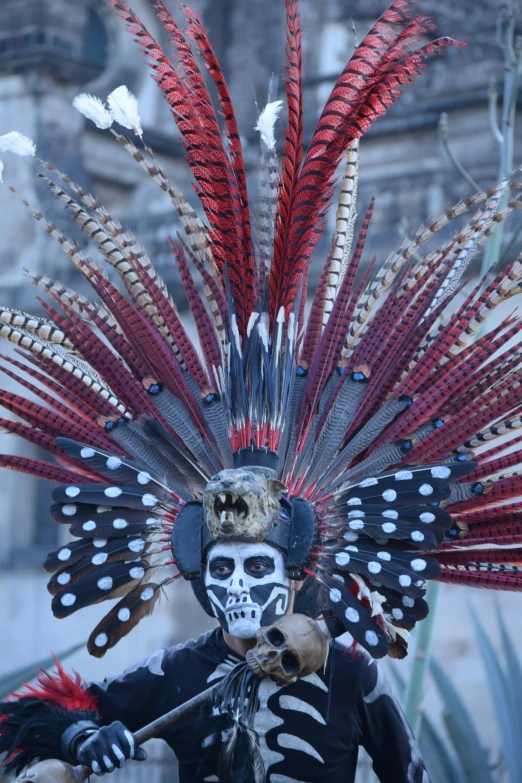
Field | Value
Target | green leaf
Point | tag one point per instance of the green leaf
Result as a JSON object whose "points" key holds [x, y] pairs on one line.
{"points": [[461, 729], [13, 680], [514, 670], [500, 690], [441, 763]]}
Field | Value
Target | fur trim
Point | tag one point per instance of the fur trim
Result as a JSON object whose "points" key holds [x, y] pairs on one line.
{"points": [[32, 722], [61, 690]]}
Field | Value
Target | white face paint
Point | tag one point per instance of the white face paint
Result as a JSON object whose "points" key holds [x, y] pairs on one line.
{"points": [[247, 586]]}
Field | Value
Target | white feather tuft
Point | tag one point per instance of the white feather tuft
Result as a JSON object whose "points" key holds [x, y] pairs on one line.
{"points": [[94, 109], [124, 109], [15, 142], [266, 122], [251, 321], [1, 171]]}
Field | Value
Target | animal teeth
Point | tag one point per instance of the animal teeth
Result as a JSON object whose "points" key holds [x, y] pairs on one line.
{"points": [[223, 498], [223, 517]]}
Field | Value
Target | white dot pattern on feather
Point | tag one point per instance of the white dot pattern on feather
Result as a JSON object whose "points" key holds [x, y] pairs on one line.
{"points": [[72, 492], [356, 524], [418, 564], [64, 578], [351, 536], [143, 478], [69, 509], [442, 471], [101, 640], [137, 572], [64, 554], [89, 525], [426, 489], [384, 556], [357, 514], [335, 595], [389, 527], [147, 594], [369, 482], [427, 517], [99, 542], [390, 514], [119, 523], [397, 613], [351, 548], [136, 545], [389, 495], [152, 521], [407, 601], [67, 599], [352, 615], [124, 615], [99, 558], [417, 535], [87, 453], [403, 475], [113, 492], [105, 583], [149, 500], [371, 638], [342, 558], [354, 502], [113, 463], [405, 580], [374, 567]]}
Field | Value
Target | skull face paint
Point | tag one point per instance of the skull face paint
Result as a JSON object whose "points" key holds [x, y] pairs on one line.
{"points": [[247, 587]]}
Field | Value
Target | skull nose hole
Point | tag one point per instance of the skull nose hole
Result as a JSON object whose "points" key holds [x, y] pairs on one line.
{"points": [[290, 663], [275, 637]]}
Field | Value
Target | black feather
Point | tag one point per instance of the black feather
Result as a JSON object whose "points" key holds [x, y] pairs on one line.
{"points": [[99, 584], [32, 729], [104, 495]]}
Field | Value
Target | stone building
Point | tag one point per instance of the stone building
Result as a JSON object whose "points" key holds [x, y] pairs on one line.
{"points": [[50, 50]]}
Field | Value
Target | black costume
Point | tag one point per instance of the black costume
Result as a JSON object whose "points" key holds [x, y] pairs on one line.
{"points": [[308, 731]]}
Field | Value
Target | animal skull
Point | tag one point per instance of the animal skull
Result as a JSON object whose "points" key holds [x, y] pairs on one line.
{"points": [[293, 646]]}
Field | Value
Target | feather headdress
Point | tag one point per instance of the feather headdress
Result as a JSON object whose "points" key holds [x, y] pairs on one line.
{"points": [[368, 411]]}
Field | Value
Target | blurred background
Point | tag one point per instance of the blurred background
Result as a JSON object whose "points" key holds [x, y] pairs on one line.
{"points": [[50, 50]]}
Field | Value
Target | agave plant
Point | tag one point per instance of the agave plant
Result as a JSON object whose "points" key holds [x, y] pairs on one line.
{"points": [[464, 759]]}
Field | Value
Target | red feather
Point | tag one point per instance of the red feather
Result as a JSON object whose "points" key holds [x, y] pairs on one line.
{"points": [[292, 151], [60, 690]]}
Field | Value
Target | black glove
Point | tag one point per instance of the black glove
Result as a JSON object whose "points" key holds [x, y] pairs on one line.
{"points": [[109, 747]]}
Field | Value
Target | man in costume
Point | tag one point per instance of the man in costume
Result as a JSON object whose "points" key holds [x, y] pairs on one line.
{"points": [[331, 453]]}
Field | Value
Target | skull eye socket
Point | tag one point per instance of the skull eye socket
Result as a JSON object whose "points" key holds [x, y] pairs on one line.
{"points": [[275, 637], [290, 663]]}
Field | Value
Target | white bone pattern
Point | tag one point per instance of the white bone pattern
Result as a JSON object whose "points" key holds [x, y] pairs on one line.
{"points": [[266, 720]]}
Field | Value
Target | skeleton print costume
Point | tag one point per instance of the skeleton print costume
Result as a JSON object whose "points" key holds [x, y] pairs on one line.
{"points": [[309, 730], [333, 449]]}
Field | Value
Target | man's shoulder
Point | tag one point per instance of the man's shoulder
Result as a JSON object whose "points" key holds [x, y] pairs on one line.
{"points": [[349, 662], [207, 645]]}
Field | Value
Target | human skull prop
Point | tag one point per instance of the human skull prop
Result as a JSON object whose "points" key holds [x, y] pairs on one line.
{"points": [[292, 647]]}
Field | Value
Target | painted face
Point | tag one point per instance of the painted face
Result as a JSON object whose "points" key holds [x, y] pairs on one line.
{"points": [[247, 586]]}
